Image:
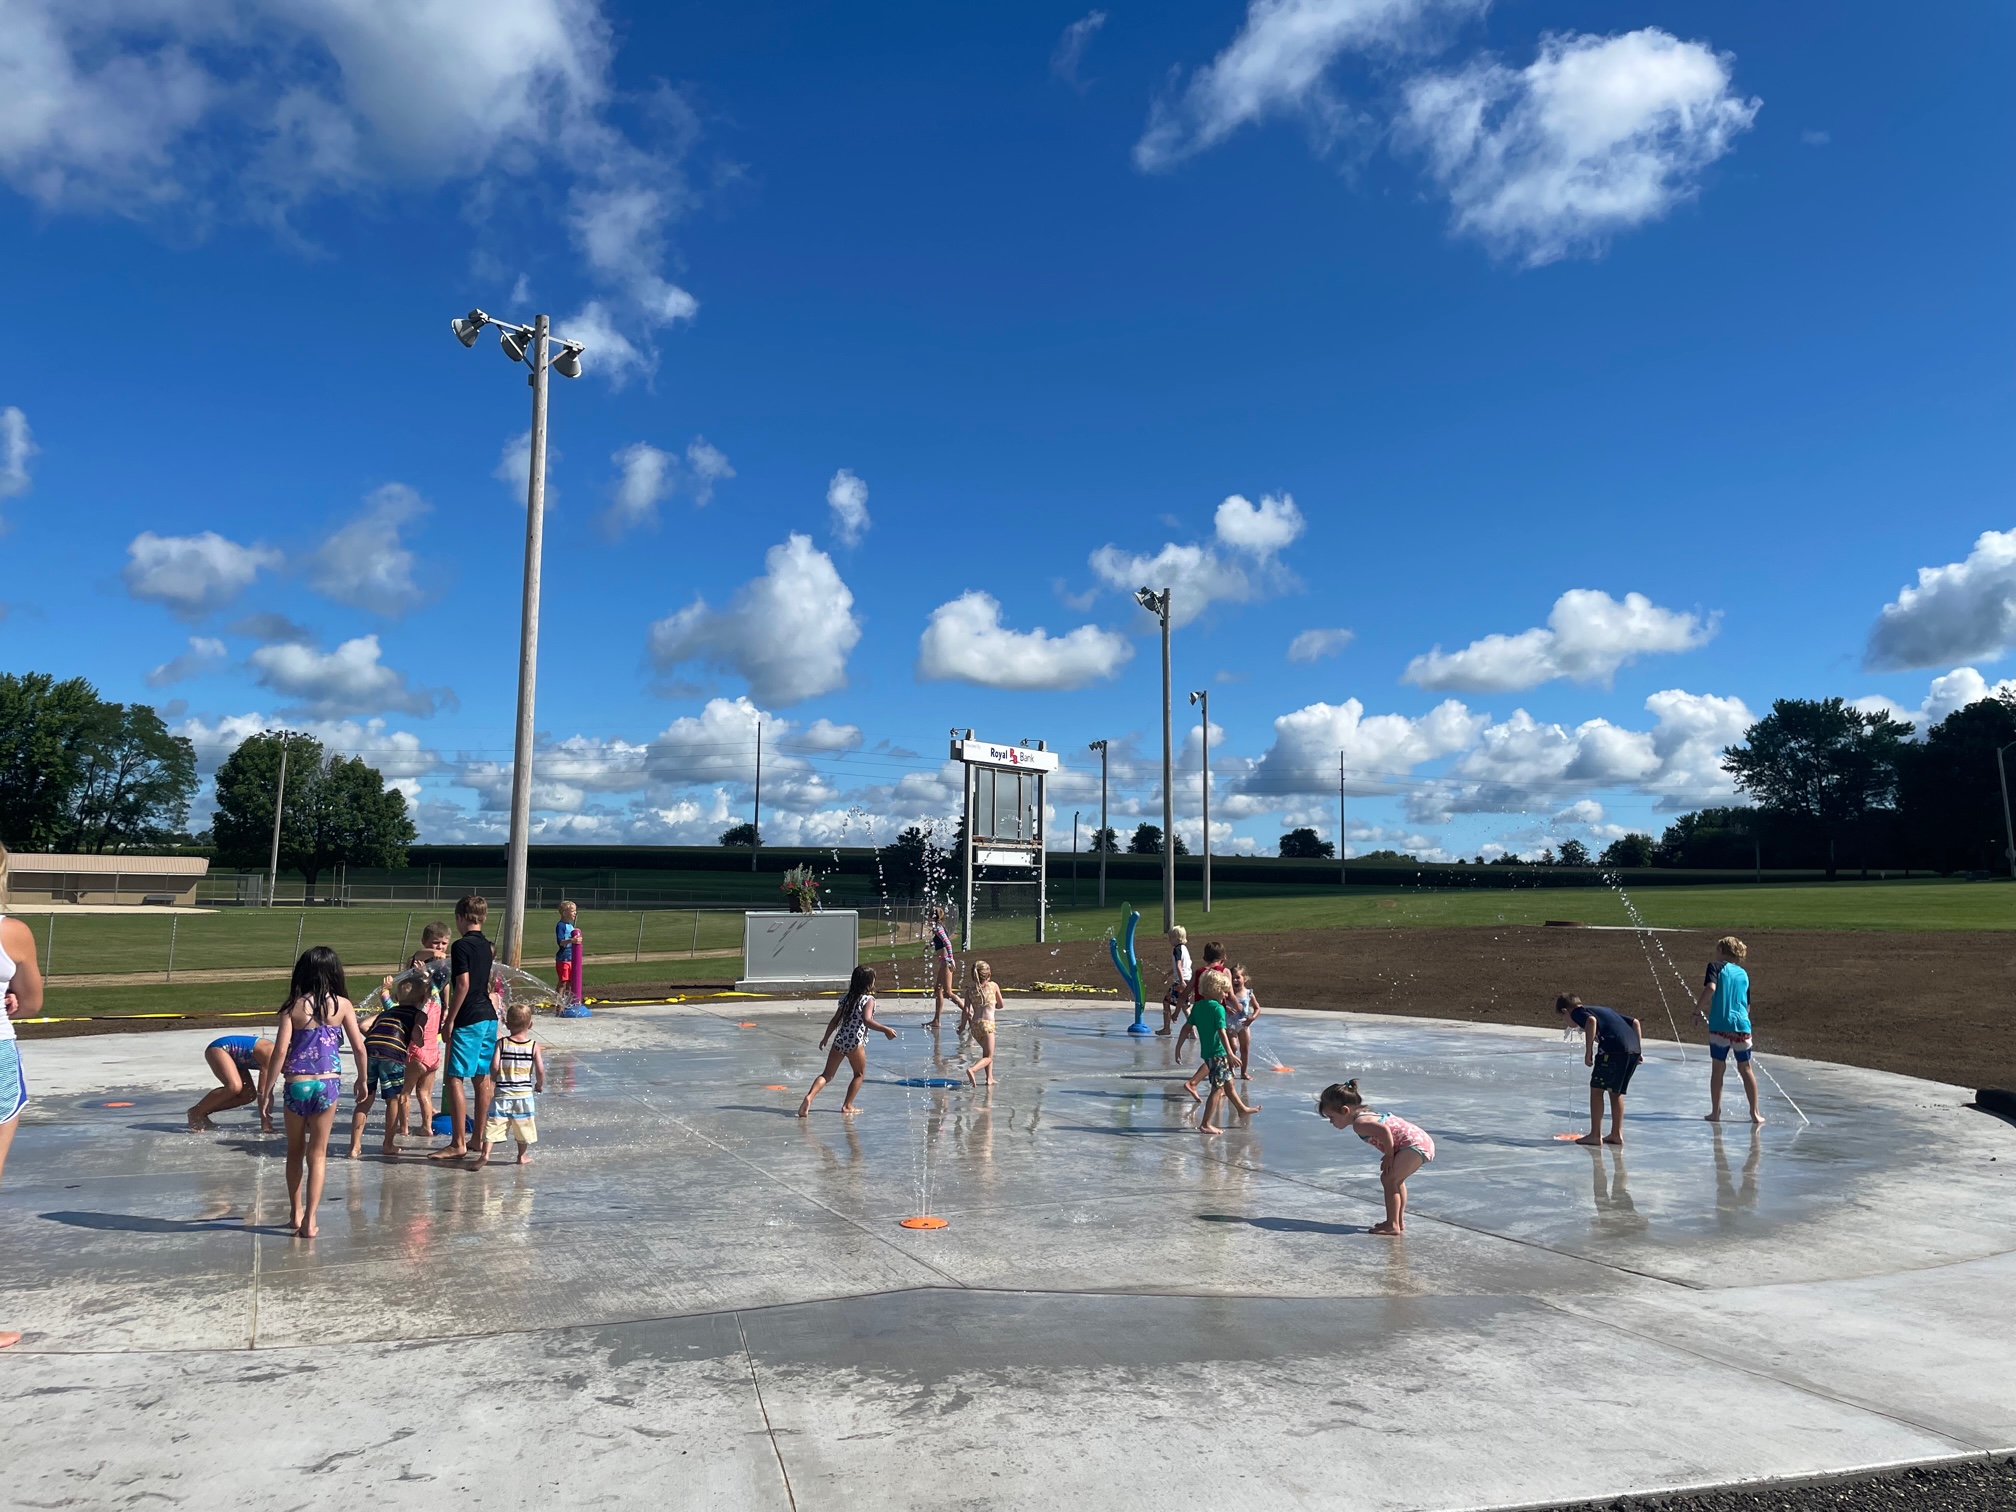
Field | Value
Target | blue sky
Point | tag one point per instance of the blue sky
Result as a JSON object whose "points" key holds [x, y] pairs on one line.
{"points": [[1518, 397]]}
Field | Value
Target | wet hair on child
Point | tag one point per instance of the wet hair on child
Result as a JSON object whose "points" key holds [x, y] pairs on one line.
{"points": [[1180, 935], [518, 1017], [1214, 984], [859, 986], [1214, 954], [1733, 949], [318, 981], [982, 971], [568, 908], [1567, 1002], [1339, 1096], [411, 990]]}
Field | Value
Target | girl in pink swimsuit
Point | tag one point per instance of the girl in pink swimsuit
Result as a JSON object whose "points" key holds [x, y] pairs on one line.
{"points": [[1403, 1147]]}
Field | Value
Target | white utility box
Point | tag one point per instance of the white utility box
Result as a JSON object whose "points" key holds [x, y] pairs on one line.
{"points": [[799, 952]]}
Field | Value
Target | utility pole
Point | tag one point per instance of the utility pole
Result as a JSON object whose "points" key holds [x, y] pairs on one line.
{"points": [[756, 824], [279, 798], [1099, 840], [1343, 866], [530, 345], [1202, 697], [1074, 858], [2008, 829], [1158, 605]]}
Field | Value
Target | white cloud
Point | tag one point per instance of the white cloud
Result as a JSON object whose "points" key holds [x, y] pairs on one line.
{"points": [[1598, 135], [203, 653], [1277, 66], [349, 680], [1815, 138], [364, 563], [396, 754], [1070, 50], [190, 112], [709, 465], [1314, 645], [646, 476], [825, 735], [1961, 611], [610, 353], [1376, 748], [17, 445], [1948, 694], [1524, 764], [1588, 636], [788, 633], [965, 641], [266, 625], [514, 463], [192, 575], [847, 498], [1198, 575], [1262, 529]]}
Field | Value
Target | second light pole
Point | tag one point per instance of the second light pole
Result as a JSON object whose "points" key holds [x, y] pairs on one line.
{"points": [[1157, 604], [1202, 698]]}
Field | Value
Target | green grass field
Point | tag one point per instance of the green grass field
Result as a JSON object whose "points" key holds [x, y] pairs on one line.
{"points": [[371, 937]]}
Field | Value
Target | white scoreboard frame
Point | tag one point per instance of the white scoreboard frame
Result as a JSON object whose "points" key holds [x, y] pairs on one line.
{"points": [[1039, 761]]}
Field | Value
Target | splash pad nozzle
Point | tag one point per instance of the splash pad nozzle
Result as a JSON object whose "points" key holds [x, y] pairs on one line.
{"points": [[1129, 967]]}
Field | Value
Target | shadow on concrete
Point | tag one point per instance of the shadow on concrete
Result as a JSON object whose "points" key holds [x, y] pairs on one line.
{"points": [[1284, 1225], [134, 1223]]}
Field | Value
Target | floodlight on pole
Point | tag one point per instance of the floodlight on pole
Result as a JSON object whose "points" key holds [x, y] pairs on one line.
{"points": [[1157, 604], [531, 345], [1203, 697]]}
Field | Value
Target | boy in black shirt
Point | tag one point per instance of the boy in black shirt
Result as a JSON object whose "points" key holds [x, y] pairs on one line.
{"points": [[1612, 1046], [472, 1046], [396, 1031]]}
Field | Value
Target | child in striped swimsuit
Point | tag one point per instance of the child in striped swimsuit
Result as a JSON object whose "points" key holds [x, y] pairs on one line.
{"points": [[1403, 1147], [520, 1072]]}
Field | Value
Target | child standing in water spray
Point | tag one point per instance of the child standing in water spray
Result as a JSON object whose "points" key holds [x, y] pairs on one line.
{"points": [[848, 1030], [1177, 995], [1724, 1005], [944, 972], [1403, 1147], [985, 1000], [1214, 960], [1613, 1047]]}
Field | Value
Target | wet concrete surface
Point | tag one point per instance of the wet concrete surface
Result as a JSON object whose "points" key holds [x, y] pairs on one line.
{"points": [[694, 1295]]}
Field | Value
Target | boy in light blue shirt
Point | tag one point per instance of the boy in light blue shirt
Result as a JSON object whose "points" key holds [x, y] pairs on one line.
{"points": [[1724, 1005]]}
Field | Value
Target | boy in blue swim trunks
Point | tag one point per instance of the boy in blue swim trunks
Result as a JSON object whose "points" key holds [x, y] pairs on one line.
{"points": [[239, 1062], [1724, 1005], [473, 1047], [388, 1041]]}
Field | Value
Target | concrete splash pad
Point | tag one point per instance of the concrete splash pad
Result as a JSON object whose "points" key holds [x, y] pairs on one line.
{"points": [[695, 1299]]}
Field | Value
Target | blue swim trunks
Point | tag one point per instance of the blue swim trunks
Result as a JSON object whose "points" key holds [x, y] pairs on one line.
{"points": [[473, 1050]]}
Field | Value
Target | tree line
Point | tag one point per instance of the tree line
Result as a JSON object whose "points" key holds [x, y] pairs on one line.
{"points": [[81, 775]]}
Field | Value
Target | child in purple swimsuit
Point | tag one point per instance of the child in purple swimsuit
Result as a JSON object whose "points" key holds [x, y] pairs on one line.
{"points": [[314, 1022]]}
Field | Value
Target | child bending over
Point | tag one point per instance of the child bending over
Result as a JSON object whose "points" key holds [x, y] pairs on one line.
{"points": [[1403, 1148]]}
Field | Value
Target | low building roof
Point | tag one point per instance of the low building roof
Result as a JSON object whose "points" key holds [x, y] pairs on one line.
{"points": [[131, 865]]}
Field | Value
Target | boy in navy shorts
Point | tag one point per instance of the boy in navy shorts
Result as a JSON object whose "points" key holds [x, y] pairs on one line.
{"points": [[1612, 1047]]}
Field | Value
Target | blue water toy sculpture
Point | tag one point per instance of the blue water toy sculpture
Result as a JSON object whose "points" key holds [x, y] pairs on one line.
{"points": [[1129, 967]]}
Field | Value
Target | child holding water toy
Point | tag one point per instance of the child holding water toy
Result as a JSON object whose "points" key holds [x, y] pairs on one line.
{"points": [[848, 1030], [388, 1044], [1724, 1005], [567, 940], [1403, 1147]]}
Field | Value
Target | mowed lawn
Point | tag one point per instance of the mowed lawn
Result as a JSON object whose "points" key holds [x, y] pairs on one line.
{"points": [[370, 937]]}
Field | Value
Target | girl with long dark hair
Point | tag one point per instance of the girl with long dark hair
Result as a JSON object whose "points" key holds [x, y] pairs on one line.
{"points": [[848, 1030], [314, 1021]]}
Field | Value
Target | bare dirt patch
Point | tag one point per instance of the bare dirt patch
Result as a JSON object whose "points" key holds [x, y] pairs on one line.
{"points": [[1941, 1006]]}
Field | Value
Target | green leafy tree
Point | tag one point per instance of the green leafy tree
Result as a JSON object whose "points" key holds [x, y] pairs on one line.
{"points": [[1382, 855], [1105, 840], [1822, 762], [1572, 853], [1147, 840], [743, 834], [909, 861], [337, 809], [1950, 791], [1630, 850], [1302, 845], [80, 774], [1713, 837], [136, 783]]}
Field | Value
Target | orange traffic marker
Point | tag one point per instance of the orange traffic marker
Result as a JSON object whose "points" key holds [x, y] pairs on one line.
{"points": [[922, 1223], [1281, 1068], [751, 1024]]}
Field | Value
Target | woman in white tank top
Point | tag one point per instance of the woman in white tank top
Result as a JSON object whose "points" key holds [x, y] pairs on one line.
{"points": [[21, 984]]}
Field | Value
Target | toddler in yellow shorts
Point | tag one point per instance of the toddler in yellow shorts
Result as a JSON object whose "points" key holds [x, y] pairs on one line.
{"points": [[520, 1072]]}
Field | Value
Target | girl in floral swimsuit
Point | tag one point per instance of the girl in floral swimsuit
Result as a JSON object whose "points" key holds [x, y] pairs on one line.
{"points": [[848, 1030], [1403, 1147], [314, 1022]]}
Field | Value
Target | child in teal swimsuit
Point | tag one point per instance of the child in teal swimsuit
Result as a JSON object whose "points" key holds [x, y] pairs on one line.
{"points": [[314, 1022]]}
